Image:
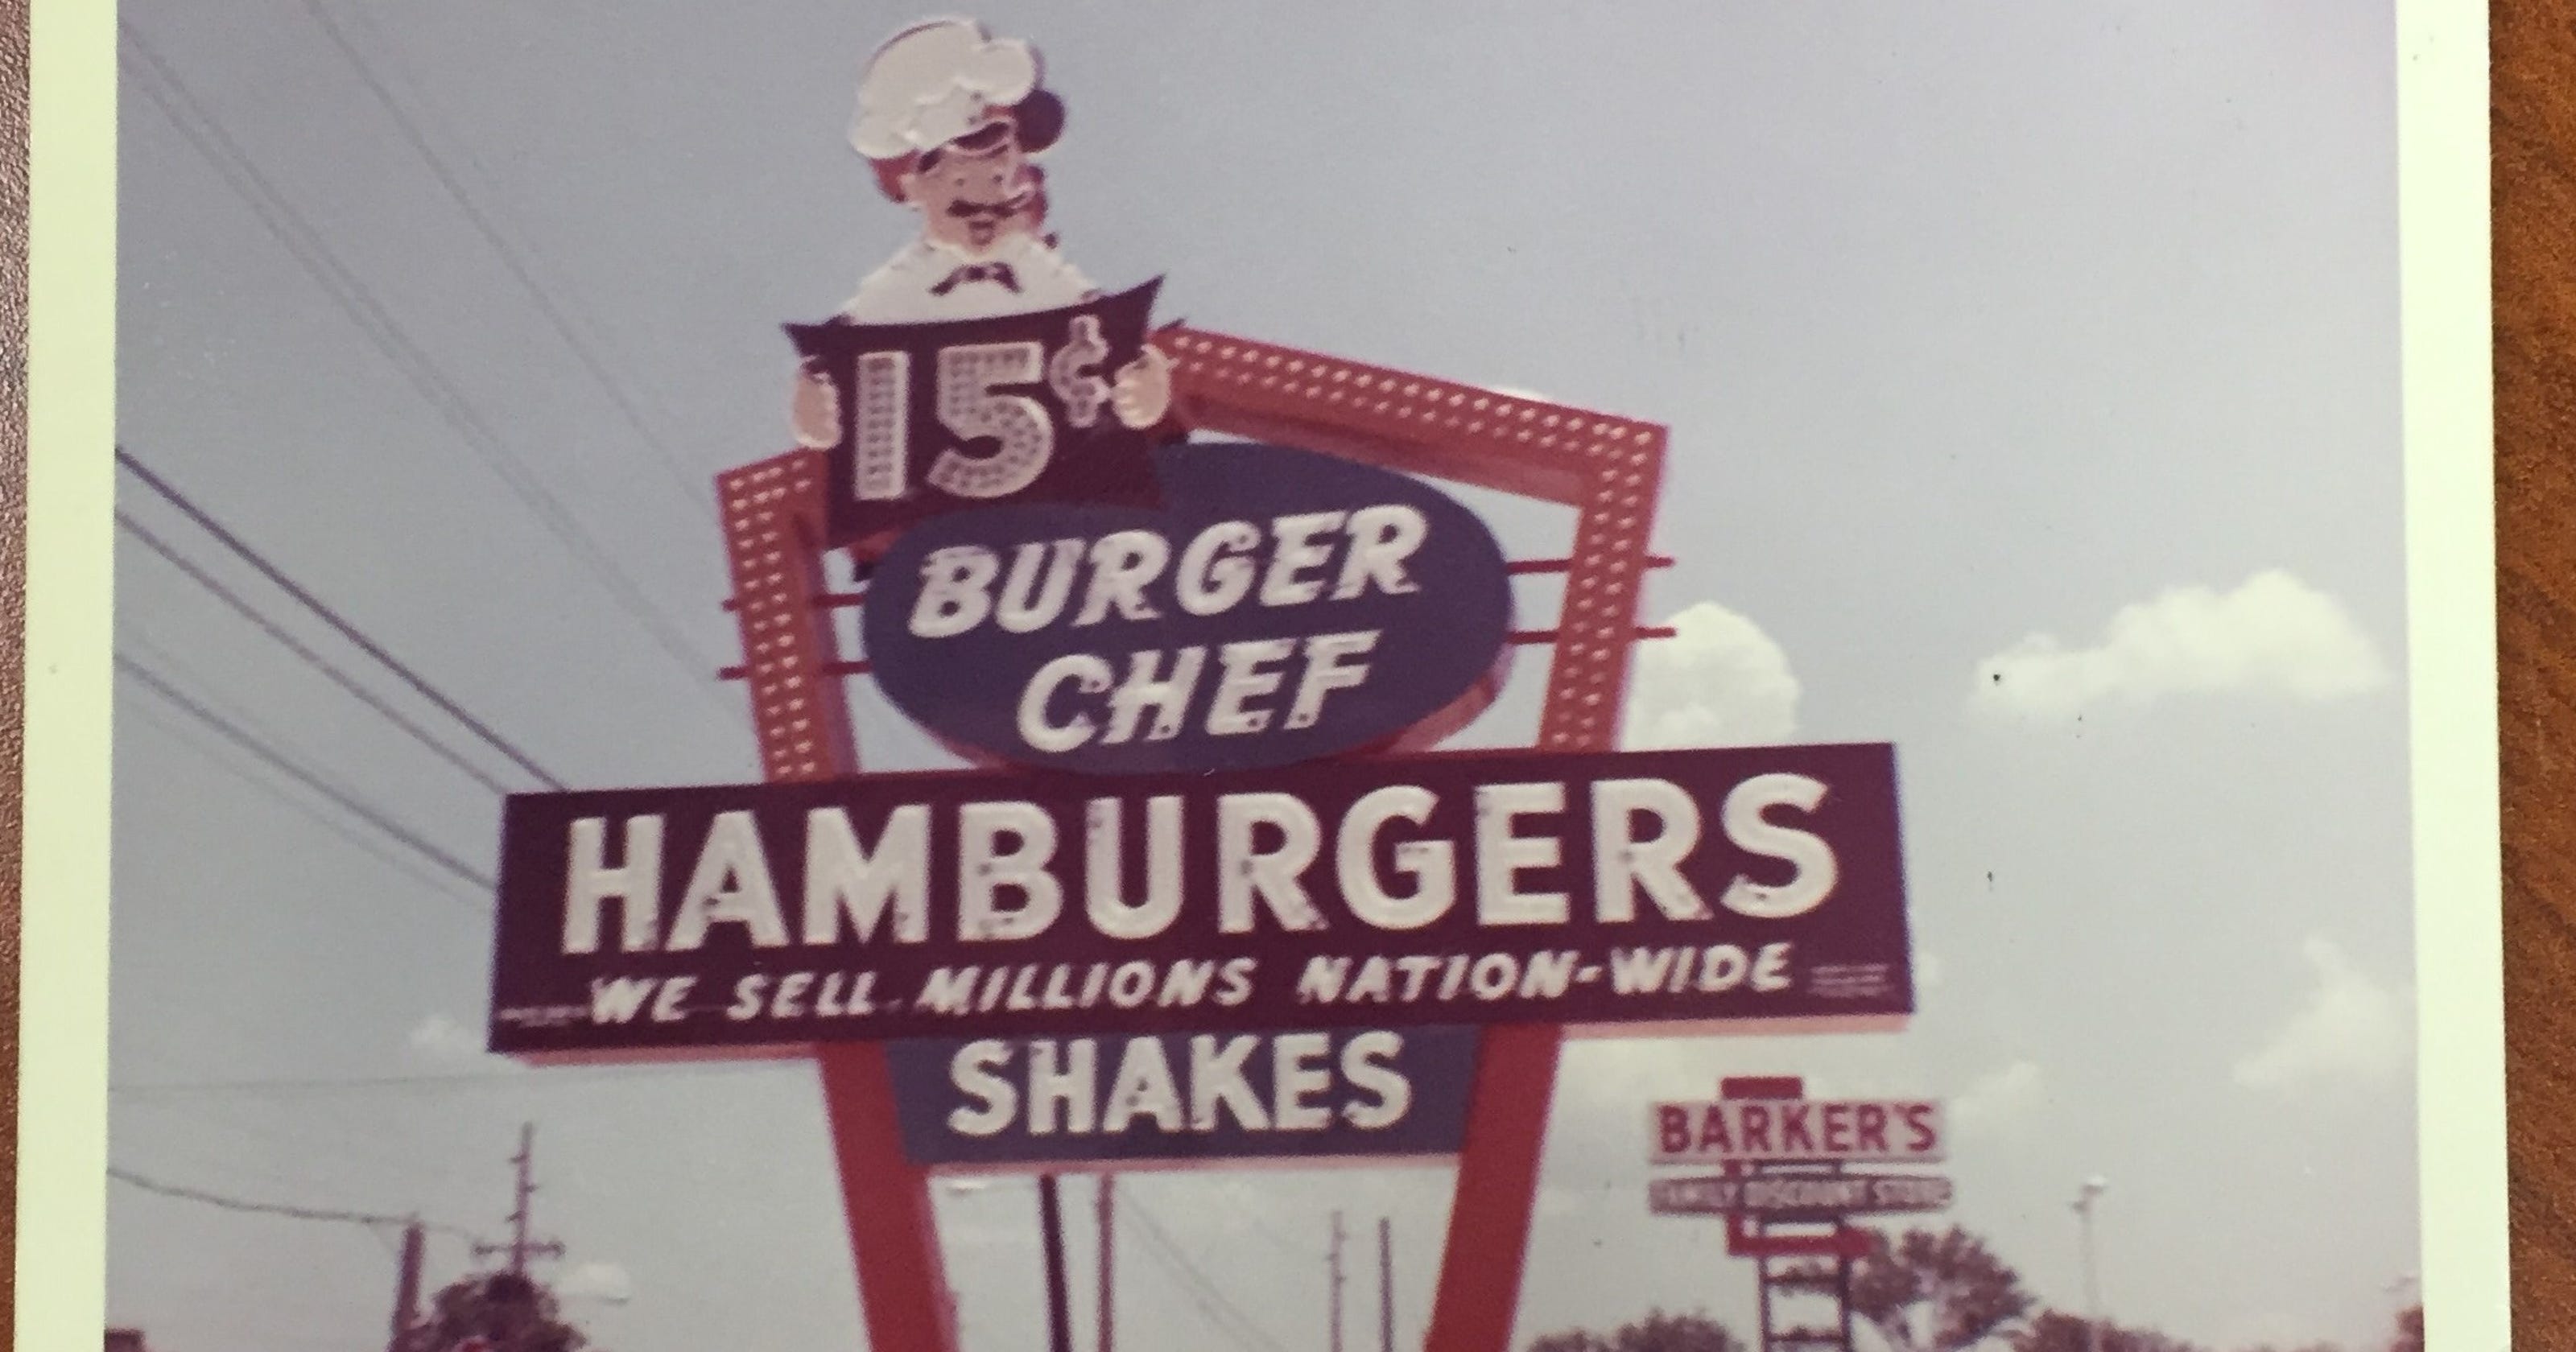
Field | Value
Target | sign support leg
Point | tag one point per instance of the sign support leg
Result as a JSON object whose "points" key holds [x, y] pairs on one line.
{"points": [[903, 1286], [1479, 1294], [1051, 1235], [773, 513]]}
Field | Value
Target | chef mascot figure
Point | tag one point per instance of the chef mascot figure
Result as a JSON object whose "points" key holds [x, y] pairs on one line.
{"points": [[953, 120]]}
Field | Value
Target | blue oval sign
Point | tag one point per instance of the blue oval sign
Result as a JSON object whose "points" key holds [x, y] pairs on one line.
{"points": [[1281, 606]]}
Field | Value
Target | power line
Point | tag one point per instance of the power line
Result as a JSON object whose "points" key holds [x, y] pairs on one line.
{"points": [[317, 1143], [310, 658], [337, 828], [1269, 1232], [286, 1209], [1202, 1293], [557, 1075], [205, 133], [348, 802], [510, 258], [331, 617], [1218, 1315], [169, 665]]}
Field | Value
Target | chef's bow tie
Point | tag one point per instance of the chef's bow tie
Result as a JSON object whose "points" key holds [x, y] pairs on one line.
{"points": [[978, 272]]}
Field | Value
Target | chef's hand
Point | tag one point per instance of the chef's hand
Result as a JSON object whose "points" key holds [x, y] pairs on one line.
{"points": [[815, 410], [1143, 392]]}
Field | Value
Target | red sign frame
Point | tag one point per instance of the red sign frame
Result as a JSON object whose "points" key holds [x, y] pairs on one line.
{"points": [[1609, 469]]}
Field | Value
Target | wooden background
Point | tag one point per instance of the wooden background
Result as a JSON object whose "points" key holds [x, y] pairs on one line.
{"points": [[13, 592], [2534, 154]]}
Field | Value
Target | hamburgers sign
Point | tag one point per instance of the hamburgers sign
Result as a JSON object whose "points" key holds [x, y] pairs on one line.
{"points": [[1665, 887]]}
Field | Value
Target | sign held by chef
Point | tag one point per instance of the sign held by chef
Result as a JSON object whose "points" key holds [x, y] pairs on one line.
{"points": [[977, 364]]}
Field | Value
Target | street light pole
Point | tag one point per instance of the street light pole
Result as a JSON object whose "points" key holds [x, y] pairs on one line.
{"points": [[2091, 1192]]}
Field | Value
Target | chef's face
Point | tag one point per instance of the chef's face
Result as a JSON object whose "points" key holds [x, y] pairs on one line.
{"points": [[973, 201]]}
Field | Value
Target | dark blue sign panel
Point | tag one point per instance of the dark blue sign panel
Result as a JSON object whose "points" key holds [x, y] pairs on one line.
{"points": [[1180, 1097], [1282, 606], [939, 417]]}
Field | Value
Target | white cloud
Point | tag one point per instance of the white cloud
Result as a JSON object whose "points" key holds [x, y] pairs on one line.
{"points": [[2273, 635], [1719, 681], [597, 1281], [2352, 1028], [442, 1039], [2000, 1099]]}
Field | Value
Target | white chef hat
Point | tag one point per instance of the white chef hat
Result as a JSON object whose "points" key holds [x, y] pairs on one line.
{"points": [[941, 80]]}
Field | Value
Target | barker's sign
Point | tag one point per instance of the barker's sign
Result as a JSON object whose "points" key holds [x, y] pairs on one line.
{"points": [[1281, 607], [1738, 1131], [1644, 887], [939, 416]]}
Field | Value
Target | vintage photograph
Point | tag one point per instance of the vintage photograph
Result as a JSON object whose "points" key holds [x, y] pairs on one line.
{"points": [[1474, 677]]}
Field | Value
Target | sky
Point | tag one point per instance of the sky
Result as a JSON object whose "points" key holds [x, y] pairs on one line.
{"points": [[2032, 378]]}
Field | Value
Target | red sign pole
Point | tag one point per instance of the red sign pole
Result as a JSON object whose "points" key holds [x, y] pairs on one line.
{"points": [[773, 541], [1497, 1186], [1742, 1240], [1489, 1210], [894, 1237]]}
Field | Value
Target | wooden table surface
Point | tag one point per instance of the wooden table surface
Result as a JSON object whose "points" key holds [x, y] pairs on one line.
{"points": [[2534, 132], [2535, 276]]}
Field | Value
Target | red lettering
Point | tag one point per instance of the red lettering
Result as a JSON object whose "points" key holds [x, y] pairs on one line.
{"points": [[1755, 1127], [1873, 1128], [1712, 1130], [1837, 1127], [1672, 1127], [1793, 1130], [1918, 1119]]}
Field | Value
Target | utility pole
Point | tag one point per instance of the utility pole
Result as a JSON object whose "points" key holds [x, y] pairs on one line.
{"points": [[407, 1289], [2091, 1193], [1105, 1203], [521, 1247], [1333, 1266], [1051, 1223], [1385, 1285]]}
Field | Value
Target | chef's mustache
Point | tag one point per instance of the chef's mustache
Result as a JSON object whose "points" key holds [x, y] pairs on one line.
{"points": [[997, 212]]}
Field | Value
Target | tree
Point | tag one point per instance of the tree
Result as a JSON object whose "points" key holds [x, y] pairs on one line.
{"points": [[1657, 1332], [508, 1311], [2057, 1331], [1933, 1292], [1661, 1332]]}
